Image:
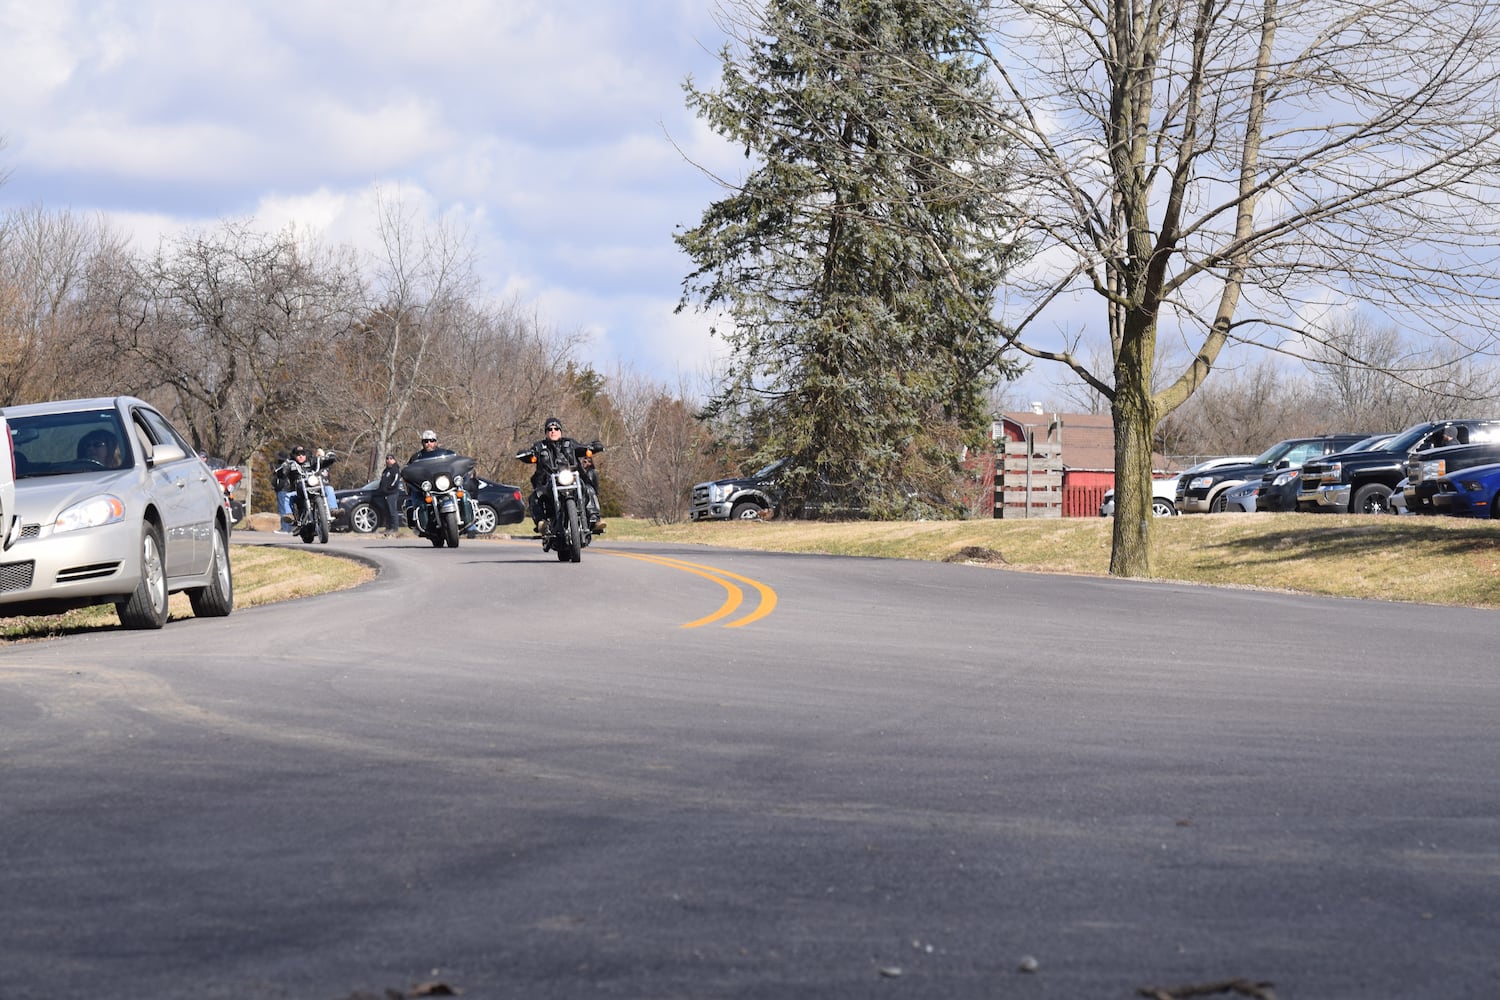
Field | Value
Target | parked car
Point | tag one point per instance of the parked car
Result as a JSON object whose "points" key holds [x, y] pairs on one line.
{"points": [[1362, 479], [1425, 469], [108, 504], [1242, 499], [1163, 497], [740, 498], [495, 504], [1205, 493], [1164, 487], [1471, 492]]}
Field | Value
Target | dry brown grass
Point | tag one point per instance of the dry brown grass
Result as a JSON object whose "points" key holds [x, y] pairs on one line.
{"points": [[263, 574], [1435, 560]]}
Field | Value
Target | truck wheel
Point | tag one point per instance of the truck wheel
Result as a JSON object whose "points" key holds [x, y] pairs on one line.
{"points": [[1371, 498], [1220, 503], [745, 510]]}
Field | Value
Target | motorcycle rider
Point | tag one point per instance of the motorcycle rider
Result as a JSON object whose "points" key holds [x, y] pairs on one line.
{"points": [[555, 452], [296, 465], [429, 448]]}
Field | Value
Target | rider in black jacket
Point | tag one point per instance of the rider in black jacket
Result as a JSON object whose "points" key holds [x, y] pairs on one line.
{"points": [[555, 452]]}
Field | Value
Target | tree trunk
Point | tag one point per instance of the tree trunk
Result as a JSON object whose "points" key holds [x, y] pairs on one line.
{"points": [[1135, 422]]}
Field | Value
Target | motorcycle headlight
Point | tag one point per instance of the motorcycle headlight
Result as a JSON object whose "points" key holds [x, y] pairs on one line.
{"points": [[565, 477], [442, 482], [313, 480], [90, 513], [427, 486]]}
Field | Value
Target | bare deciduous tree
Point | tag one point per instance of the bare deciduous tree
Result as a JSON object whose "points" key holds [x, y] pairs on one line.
{"points": [[1227, 171]]}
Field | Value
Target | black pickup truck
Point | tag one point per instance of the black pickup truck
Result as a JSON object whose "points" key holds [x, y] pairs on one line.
{"points": [[1361, 482], [741, 498], [1424, 469]]}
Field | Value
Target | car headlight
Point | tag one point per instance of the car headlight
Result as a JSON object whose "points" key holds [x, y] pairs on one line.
{"points": [[90, 513], [442, 483], [1201, 483], [1286, 477], [565, 477], [1331, 473], [1432, 470], [1472, 485]]}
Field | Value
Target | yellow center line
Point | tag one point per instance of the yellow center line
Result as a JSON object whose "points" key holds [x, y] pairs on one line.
{"points": [[722, 577]]}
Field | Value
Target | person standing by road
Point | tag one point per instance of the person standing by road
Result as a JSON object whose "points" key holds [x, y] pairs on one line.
{"points": [[388, 490]]}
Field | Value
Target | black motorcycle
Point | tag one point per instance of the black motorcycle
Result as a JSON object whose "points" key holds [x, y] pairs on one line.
{"points": [[440, 506], [567, 505], [310, 515]]}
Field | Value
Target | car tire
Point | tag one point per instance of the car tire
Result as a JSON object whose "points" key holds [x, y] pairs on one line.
{"points": [[486, 519], [745, 510], [364, 519], [146, 608], [217, 599], [1162, 508], [1219, 504], [1371, 498]]}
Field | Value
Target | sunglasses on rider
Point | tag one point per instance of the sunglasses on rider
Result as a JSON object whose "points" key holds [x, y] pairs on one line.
{"points": [[554, 427]]}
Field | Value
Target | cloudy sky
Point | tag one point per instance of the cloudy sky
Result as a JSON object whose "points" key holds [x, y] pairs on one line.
{"points": [[555, 129]]}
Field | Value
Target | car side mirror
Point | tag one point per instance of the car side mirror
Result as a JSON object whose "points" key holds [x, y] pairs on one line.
{"points": [[161, 454]]}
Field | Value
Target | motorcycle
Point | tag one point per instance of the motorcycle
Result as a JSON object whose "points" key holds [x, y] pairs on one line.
{"points": [[566, 506], [310, 516], [440, 507], [228, 478]]}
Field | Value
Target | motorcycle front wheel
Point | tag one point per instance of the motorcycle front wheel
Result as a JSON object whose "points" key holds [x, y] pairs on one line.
{"points": [[450, 529], [573, 531], [322, 525]]}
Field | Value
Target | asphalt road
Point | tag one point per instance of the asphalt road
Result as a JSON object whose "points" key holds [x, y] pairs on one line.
{"points": [[678, 772]]}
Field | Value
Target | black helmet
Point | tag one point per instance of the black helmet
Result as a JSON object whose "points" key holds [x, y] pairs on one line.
{"points": [[551, 423], [298, 449]]}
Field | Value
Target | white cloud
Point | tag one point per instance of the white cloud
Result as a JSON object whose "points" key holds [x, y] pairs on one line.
{"points": [[543, 124]]}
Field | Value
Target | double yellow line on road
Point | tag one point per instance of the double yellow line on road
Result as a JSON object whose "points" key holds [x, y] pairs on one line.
{"points": [[734, 596]]}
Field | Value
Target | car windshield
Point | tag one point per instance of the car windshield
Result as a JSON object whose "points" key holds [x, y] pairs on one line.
{"points": [[769, 470], [1372, 443], [1274, 454], [61, 444]]}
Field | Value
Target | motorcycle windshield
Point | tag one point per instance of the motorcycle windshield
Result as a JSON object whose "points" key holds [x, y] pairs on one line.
{"points": [[456, 467]]}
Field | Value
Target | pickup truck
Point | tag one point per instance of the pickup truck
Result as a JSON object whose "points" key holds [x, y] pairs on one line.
{"points": [[1361, 481], [742, 498], [1424, 469], [1205, 493]]}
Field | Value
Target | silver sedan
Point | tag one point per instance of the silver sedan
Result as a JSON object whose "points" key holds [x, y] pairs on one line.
{"points": [[104, 502]]}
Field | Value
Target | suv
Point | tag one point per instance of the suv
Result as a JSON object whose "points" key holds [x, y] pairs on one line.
{"points": [[1361, 481], [740, 499], [1480, 446], [1205, 493]]}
